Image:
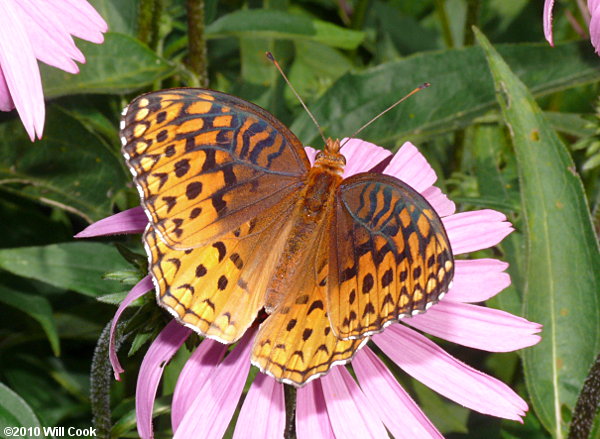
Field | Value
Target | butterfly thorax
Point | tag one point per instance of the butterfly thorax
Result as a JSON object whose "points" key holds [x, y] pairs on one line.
{"points": [[312, 211], [330, 158]]}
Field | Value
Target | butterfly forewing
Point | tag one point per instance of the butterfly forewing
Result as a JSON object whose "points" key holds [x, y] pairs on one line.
{"points": [[205, 162], [218, 289], [392, 255]]}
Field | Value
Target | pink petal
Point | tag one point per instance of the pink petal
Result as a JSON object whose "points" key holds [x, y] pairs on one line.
{"points": [[52, 44], [477, 280], [6, 102], [477, 327], [197, 370], [311, 153], [216, 400], [439, 201], [263, 414], [80, 19], [132, 220], [595, 26], [87, 12], [141, 288], [349, 411], [159, 354], [21, 70], [410, 166], [312, 420], [593, 6], [428, 363], [476, 230], [548, 5], [361, 156], [385, 393]]}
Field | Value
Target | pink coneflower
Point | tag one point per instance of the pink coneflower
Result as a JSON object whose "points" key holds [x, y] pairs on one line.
{"points": [[592, 16], [40, 30], [338, 405]]}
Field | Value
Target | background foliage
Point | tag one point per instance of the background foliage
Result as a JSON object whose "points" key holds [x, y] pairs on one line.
{"points": [[510, 125]]}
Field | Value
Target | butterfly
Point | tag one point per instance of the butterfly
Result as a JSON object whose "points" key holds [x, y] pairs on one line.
{"points": [[241, 225]]}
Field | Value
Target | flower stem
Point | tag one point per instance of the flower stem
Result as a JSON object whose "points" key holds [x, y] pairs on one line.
{"points": [[290, 411], [440, 6], [359, 14], [472, 19], [100, 378], [197, 60], [587, 405], [149, 21]]}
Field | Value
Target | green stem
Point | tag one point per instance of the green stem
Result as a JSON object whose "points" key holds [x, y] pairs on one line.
{"points": [[159, 7], [587, 405], [440, 6], [148, 22], [359, 14], [290, 411], [100, 379], [144, 24], [472, 19], [197, 59]]}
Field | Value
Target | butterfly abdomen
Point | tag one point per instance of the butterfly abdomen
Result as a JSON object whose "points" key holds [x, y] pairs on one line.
{"points": [[312, 213]]}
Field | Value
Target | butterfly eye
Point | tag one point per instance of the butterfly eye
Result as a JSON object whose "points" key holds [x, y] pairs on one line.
{"points": [[319, 155]]}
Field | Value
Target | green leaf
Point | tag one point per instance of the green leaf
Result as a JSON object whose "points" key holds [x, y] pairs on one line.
{"points": [[263, 23], [77, 266], [119, 15], [494, 165], [25, 220], [30, 375], [462, 89], [57, 169], [404, 31], [562, 289], [569, 123], [446, 417], [316, 66], [120, 65], [38, 308], [15, 412]]}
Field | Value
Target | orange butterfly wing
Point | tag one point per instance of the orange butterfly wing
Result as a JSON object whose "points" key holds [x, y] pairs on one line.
{"points": [[391, 253], [205, 162], [218, 289], [218, 178], [296, 344]]}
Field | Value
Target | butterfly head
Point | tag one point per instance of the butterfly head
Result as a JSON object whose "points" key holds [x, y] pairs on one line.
{"points": [[331, 158]]}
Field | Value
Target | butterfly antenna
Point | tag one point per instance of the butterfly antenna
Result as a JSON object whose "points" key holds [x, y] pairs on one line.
{"points": [[274, 61], [419, 88]]}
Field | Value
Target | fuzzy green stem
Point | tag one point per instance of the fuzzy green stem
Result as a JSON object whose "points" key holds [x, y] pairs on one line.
{"points": [[144, 24], [149, 15], [440, 6], [587, 405], [197, 54], [290, 411], [100, 379], [159, 7]]}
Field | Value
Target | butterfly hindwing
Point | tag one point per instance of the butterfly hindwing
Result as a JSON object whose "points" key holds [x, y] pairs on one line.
{"points": [[295, 343], [391, 253], [205, 162]]}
